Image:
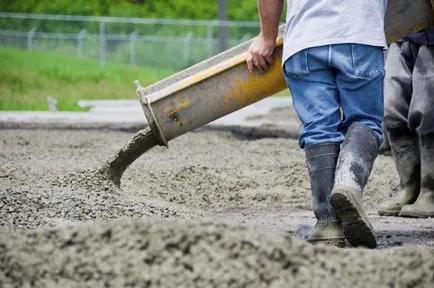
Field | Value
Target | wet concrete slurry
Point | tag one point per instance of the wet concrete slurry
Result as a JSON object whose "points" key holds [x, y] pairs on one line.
{"points": [[215, 209]]}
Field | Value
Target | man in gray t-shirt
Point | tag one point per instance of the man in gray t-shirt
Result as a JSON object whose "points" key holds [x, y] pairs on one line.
{"points": [[334, 66]]}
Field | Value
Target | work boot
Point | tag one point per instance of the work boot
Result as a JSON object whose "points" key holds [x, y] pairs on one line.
{"points": [[321, 161], [424, 205], [356, 159], [405, 151], [328, 232]]}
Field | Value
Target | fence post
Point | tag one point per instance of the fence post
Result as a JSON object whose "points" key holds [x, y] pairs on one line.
{"points": [[133, 39], [187, 48], [223, 31], [209, 39], [102, 43], [30, 39], [80, 37]]}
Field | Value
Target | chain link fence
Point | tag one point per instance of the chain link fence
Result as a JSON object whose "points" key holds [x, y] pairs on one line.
{"points": [[165, 43]]}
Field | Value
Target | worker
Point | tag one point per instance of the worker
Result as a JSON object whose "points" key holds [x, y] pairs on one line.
{"points": [[409, 123], [333, 64]]}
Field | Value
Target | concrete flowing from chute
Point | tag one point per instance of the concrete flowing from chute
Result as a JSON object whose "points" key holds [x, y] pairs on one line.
{"points": [[114, 168]]}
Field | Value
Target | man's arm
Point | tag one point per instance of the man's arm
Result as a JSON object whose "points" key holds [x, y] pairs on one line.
{"points": [[261, 50]]}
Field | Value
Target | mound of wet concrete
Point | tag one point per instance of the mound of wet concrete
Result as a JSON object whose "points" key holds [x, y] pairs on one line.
{"points": [[76, 196], [185, 253]]}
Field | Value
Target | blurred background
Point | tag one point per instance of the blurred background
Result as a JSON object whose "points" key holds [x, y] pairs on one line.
{"points": [[94, 49]]}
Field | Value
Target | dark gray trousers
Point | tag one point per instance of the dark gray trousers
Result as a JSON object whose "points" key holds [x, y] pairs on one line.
{"points": [[409, 88]]}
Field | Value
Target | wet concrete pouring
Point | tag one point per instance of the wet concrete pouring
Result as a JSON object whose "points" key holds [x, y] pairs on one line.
{"points": [[215, 210]]}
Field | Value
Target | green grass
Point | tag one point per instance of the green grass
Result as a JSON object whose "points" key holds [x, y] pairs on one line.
{"points": [[28, 78]]}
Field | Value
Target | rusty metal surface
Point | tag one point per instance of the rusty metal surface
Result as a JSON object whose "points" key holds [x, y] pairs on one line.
{"points": [[209, 95]]}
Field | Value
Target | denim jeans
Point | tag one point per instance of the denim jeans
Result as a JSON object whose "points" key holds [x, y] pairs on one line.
{"points": [[334, 86]]}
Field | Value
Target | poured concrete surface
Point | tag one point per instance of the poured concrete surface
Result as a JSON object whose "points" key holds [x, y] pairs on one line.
{"points": [[213, 210]]}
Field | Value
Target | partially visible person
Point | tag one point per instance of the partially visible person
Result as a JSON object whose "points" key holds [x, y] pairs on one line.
{"points": [[409, 123], [333, 61]]}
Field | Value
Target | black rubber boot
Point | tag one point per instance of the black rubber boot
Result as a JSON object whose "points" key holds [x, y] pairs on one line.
{"points": [[356, 159], [321, 161], [405, 151], [424, 205]]}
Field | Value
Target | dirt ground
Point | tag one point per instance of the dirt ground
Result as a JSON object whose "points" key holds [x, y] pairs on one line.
{"points": [[214, 210]]}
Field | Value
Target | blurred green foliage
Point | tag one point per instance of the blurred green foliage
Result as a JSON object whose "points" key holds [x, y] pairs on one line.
{"points": [[238, 10]]}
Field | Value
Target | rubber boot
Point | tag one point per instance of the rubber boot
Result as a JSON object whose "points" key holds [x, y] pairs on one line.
{"points": [[321, 161], [356, 159], [424, 205], [405, 151]]}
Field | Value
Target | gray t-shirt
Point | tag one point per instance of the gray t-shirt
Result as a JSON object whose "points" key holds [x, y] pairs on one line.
{"points": [[312, 23]]}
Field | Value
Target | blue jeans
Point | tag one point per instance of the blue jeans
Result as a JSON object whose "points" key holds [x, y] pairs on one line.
{"points": [[334, 86]]}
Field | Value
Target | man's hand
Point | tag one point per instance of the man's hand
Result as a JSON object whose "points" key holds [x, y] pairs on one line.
{"points": [[260, 54]]}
